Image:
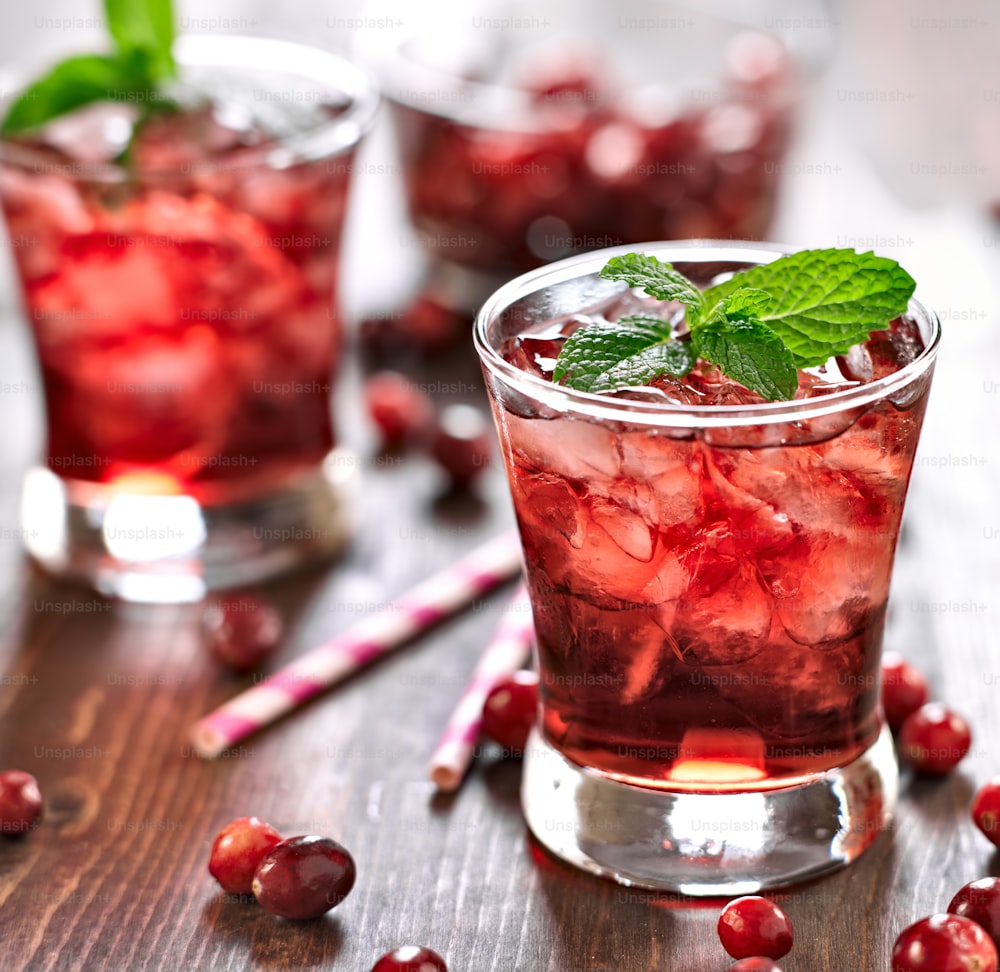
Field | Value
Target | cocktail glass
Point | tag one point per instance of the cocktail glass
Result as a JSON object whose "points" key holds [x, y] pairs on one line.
{"points": [[709, 587], [528, 133], [183, 302]]}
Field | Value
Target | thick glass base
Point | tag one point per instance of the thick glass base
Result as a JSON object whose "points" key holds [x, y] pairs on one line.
{"points": [[720, 844], [171, 549]]}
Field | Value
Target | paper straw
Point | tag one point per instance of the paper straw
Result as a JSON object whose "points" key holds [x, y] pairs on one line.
{"points": [[429, 602], [506, 653]]}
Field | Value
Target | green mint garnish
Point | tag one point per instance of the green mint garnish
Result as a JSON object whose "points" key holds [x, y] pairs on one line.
{"points": [[758, 327], [632, 351], [143, 36], [823, 302]]}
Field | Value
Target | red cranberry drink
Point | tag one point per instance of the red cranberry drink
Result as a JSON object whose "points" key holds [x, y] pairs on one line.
{"points": [[179, 273], [522, 146], [709, 504]]}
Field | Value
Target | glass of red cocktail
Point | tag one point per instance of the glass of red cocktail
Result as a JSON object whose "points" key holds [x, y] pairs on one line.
{"points": [[709, 575], [179, 277], [530, 133]]}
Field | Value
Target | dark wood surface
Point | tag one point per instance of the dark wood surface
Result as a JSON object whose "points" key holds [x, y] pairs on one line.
{"points": [[96, 700]]}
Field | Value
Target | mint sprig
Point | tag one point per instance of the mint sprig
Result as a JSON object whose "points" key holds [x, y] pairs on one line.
{"points": [[758, 327], [823, 302], [142, 32]]}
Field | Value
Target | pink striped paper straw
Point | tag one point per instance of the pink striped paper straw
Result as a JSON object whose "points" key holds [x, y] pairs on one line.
{"points": [[506, 653], [424, 605]]}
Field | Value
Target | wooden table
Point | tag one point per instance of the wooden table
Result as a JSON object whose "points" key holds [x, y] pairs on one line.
{"points": [[96, 699]]}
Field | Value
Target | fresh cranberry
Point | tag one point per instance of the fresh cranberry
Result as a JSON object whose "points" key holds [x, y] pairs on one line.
{"points": [[904, 689], [398, 408], [238, 850], [753, 926], [986, 809], [410, 958], [424, 328], [241, 630], [429, 326], [304, 877], [20, 802], [462, 443], [510, 710], [756, 964], [934, 739], [944, 943], [980, 901]]}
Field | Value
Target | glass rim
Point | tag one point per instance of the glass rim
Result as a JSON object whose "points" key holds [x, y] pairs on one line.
{"points": [[670, 414], [334, 137]]}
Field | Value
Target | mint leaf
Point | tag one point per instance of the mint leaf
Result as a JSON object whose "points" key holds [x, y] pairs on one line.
{"points": [[752, 354], [73, 83], [143, 34], [147, 26], [659, 280], [667, 358], [823, 301], [630, 352], [749, 303]]}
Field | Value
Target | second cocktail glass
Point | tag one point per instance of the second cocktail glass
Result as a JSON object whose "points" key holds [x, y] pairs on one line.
{"points": [[181, 290]]}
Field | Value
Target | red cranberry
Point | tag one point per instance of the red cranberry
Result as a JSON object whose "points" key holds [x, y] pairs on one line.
{"points": [[754, 965], [944, 943], [462, 443], [241, 630], [904, 689], [429, 326], [238, 850], [410, 958], [934, 739], [398, 408], [980, 901], [986, 809], [304, 877], [753, 926], [20, 802], [510, 710]]}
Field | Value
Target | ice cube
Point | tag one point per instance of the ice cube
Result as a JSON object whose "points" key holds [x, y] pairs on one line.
{"points": [[724, 616], [578, 450], [672, 470], [153, 399], [536, 354], [835, 589], [40, 211], [894, 348]]}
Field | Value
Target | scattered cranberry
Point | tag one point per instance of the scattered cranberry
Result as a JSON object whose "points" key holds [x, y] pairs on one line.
{"points": [[20, 802], [424, 328], [429, 326], [904, 689], [980, 902], [304, 877], [934, 739], [510, 710], [753, 926], [238, 850], [398, 407], [754, 965], [241, 630], [944, 943], [410, 958], [462, 443], [986, 809]]}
